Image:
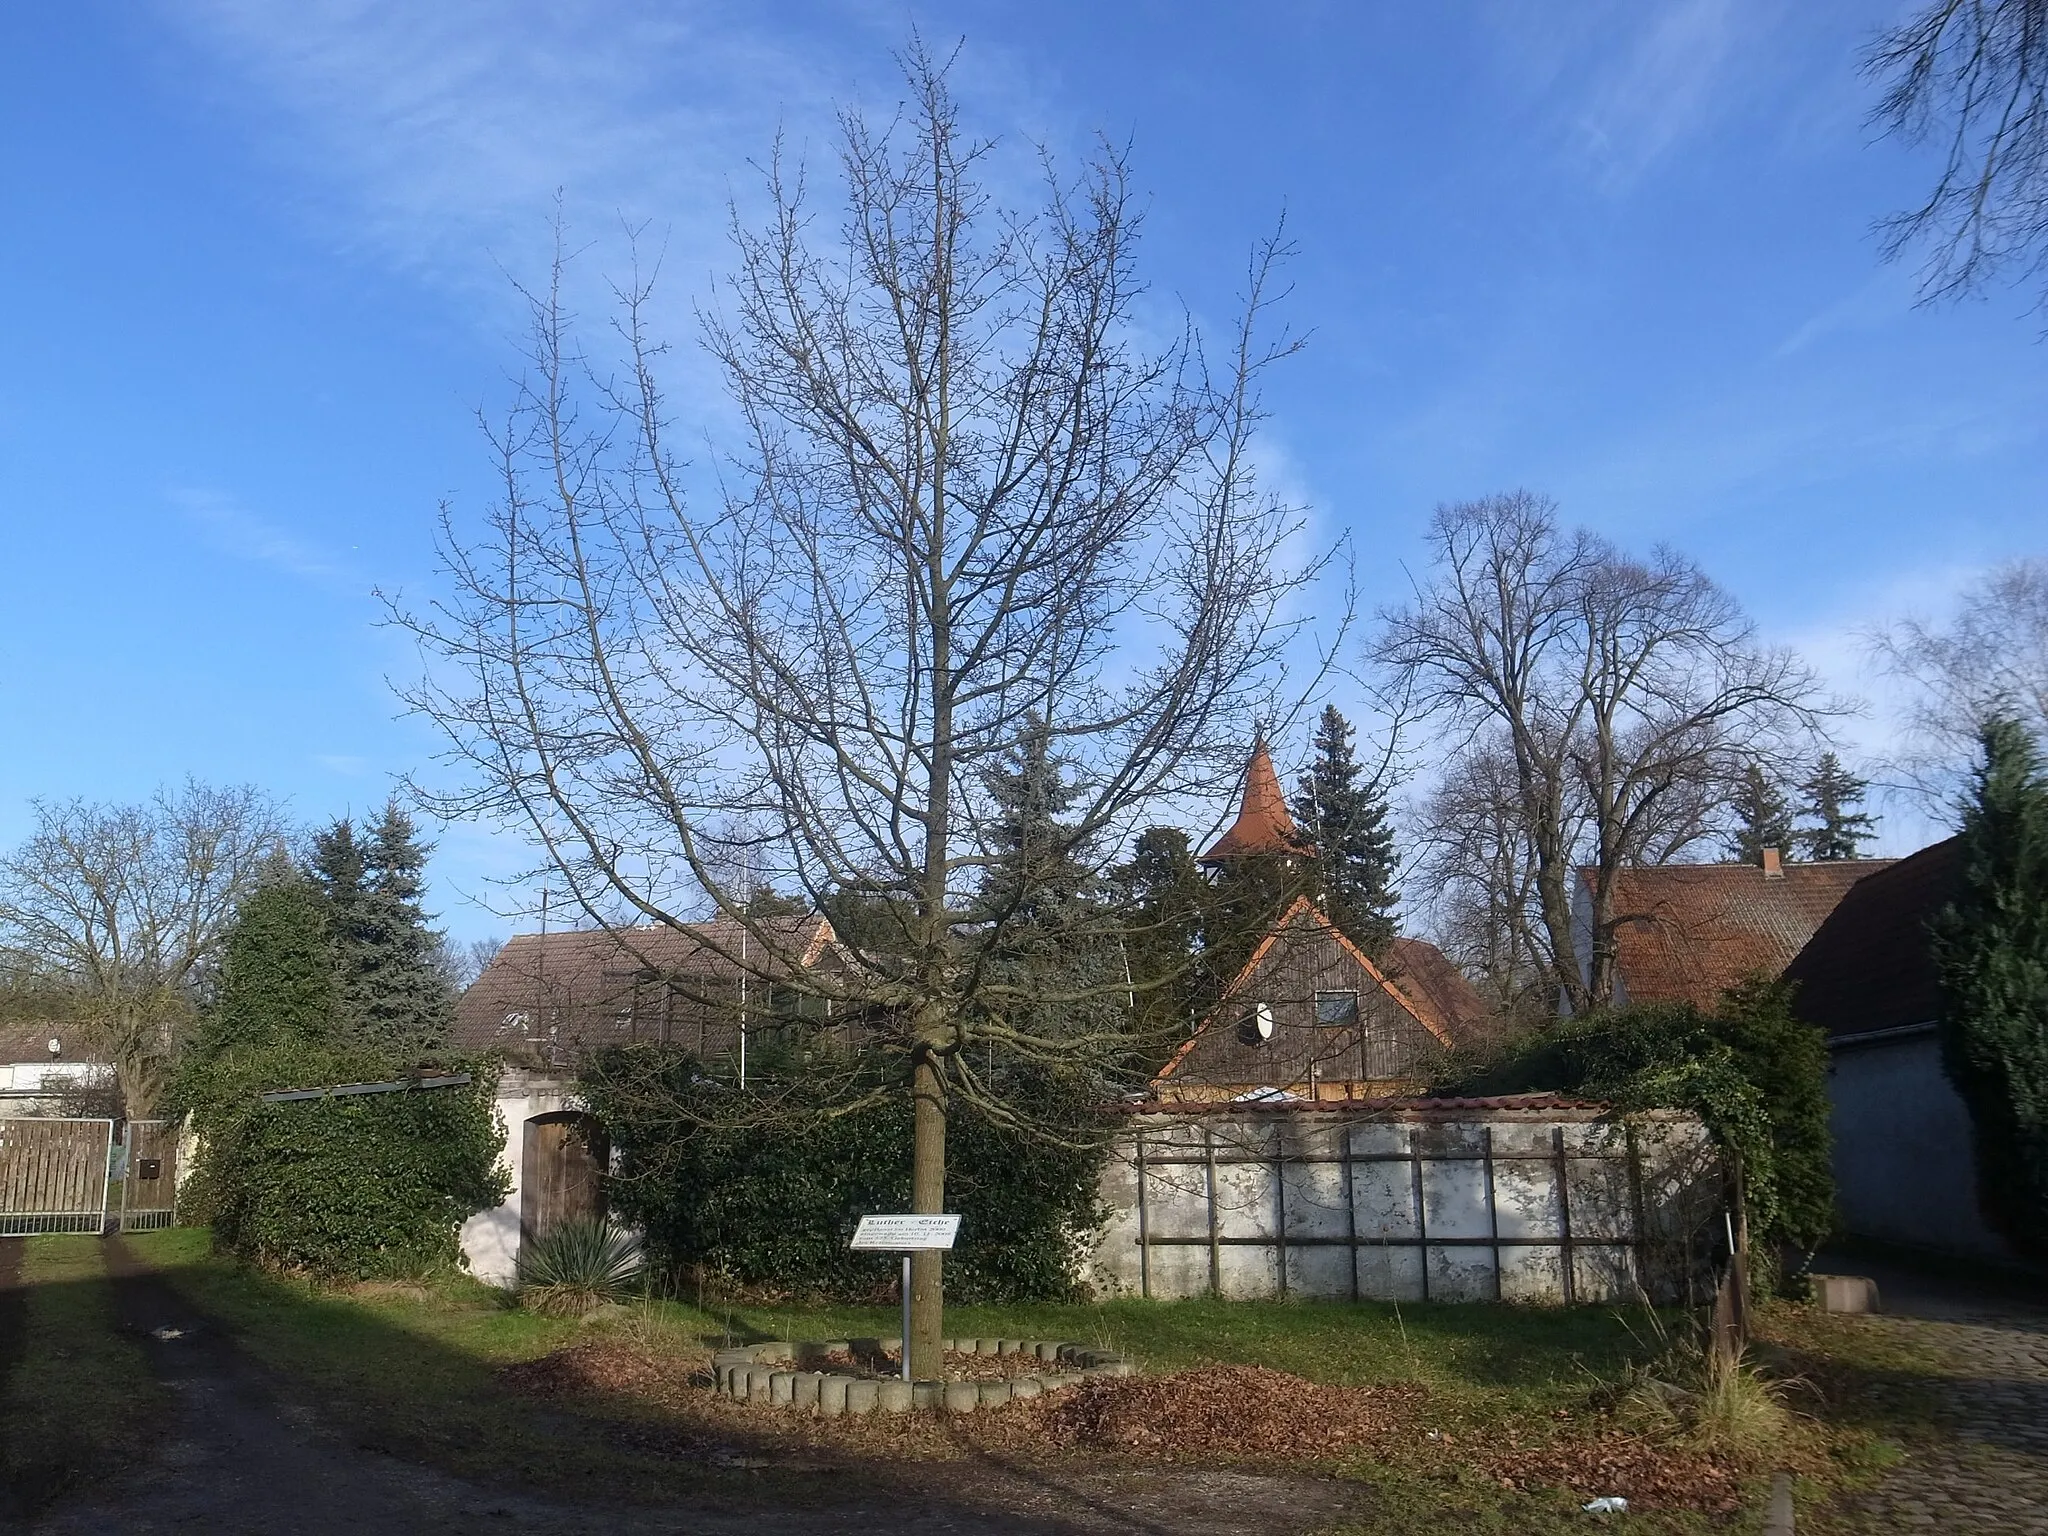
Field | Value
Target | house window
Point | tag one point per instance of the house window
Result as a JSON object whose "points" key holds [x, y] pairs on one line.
{"points": [[1337, 1010]]}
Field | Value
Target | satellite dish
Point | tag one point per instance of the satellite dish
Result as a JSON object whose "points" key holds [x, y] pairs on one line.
{"points": [[1262, 1020]]}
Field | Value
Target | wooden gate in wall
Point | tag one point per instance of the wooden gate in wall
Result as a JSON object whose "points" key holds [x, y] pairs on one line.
{"points": [[562, 1166], [53, 1175]]}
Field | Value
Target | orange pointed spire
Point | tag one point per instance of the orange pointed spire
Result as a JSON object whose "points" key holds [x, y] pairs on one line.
{"points": [[1262, 825]]}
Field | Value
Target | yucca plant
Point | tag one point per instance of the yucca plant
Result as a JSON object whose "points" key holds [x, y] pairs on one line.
{"points": [[577, 1266]]}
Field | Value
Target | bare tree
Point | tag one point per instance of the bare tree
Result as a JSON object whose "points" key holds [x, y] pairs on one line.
{"points": [[461, 963], [126, 903], [1990, 658], [974, 501], [1972, 77], [1616, 698], [1477, 866]]}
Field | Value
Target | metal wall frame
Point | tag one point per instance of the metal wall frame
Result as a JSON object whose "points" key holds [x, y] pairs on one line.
{"points": [[1495, 1210]]}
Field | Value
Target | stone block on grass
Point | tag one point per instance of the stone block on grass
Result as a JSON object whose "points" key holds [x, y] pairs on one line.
{"points": [[862, 1396], [962, 1396]]}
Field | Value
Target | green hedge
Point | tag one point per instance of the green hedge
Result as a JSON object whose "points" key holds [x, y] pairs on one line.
{"points": [[367, 1186], [1752, 1072], [763, 1188]]}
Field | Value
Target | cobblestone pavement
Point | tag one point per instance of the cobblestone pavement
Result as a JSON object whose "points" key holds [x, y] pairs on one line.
{"points": [[1988, 1472]]}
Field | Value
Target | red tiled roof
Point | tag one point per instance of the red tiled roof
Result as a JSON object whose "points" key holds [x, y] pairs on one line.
{"points": [[1686, 932], [1869, 967], [1437, 989], [1262, 825]]}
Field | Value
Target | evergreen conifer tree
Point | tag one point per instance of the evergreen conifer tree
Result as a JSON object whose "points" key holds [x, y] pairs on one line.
{"points": [[1036, 870], [1832, 795], [1762, 818], [1166, 901], [393, 994], [1345, 816], [277, 974], [1991, 948]]}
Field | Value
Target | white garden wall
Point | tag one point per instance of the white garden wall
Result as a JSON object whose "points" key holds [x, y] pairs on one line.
{"points": [[1441, 1200]]}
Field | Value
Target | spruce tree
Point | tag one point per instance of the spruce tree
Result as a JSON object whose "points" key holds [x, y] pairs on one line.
{"points": [[1832, 795], [393, 994], [1991, 949], [1762, 818], [1165, 902], [1344, 815], [1035, 871], [405, 999]]}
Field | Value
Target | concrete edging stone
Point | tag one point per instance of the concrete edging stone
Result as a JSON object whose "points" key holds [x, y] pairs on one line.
{"points": [[784, 1373]]}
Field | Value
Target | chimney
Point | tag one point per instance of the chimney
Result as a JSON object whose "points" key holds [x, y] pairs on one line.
{"points": [[1774, 865]]}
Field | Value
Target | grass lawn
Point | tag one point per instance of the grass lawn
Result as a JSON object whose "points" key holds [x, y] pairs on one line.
{"points": [[414, 1369], [80, 1393]]}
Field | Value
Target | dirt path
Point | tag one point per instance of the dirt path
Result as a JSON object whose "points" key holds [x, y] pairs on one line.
{"points": [[1989, 1471], [12, 1307], [238, 1458]]}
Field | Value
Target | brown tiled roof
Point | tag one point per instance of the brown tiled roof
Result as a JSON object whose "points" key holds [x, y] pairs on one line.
{"points": [[552, 994], [1437, 990], [1687, 932], [1262, 825], [1868, 966], [30, 1041]]}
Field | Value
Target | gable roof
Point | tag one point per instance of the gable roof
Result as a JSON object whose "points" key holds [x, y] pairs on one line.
{"points": [[583, 972], [1262, 825], [1869, 966], [1437, 990], [1685, 933], [1306, 914]]}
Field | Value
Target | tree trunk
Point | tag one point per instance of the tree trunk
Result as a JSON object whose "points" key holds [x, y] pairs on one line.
{"points": [[927, 1197]]}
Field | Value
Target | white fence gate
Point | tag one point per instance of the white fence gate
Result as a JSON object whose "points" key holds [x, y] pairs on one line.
{"points": [[53, 1175]]}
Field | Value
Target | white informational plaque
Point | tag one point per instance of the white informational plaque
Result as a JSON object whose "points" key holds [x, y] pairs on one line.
{"points": [[904, 1234]]}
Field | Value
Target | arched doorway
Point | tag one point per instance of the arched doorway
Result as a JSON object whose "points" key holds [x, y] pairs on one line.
{"points": [[561, 1171]]}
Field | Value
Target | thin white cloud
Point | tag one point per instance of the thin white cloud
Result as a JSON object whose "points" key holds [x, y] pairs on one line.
{"points": [[1622, 83], [438, 136], [234, 530]]}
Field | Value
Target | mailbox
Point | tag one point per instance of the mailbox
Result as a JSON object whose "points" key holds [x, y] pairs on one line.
{"points": [[149, 1167]]}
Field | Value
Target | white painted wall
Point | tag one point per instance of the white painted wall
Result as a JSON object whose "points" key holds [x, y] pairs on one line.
{"points": [[1904, 1168], [490, 1239]]}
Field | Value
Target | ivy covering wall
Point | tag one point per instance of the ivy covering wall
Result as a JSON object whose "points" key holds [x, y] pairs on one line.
{"points": [[771, 1204], [1753, 1073]]}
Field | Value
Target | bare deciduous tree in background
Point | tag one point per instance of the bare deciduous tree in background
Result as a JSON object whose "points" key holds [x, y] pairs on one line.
{"points": [[1972, 77], [1600, 707], [1990, 659], [124, 905], [974, 502]]}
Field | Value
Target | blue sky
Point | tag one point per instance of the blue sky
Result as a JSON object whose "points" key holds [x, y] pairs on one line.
{"points": [[256, 254]]}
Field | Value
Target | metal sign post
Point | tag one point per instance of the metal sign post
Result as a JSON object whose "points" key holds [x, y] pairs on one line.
{"points": [[905, 1235]]}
